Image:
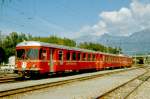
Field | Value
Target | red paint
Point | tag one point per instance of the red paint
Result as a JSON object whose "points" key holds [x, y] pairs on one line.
{"points": [[101, 60]]}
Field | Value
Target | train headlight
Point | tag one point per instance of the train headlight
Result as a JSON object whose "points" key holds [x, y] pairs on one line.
{"points": [[24, 65]]}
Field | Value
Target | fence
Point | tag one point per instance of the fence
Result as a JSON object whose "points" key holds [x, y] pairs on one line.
{"points": [[7, 68]]}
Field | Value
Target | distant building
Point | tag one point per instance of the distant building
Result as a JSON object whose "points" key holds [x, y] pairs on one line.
{"points": [[141, 59], [11, 60]]}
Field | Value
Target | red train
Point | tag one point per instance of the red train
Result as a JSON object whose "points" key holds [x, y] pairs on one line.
{"points": [[35, 57]]}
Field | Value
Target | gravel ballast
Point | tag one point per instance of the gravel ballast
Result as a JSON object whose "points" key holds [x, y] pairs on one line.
{"points": [[142, 92], [80, 90]]}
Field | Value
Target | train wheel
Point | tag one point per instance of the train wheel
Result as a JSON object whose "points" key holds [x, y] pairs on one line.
{"points": [[27, 76], [21, 74]]}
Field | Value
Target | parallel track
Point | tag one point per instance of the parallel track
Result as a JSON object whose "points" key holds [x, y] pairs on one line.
{"points": [[108, 94], [8, 80], [52, 84], [148, 77]]}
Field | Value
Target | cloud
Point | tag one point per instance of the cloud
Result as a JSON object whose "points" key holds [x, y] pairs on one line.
{"points": [[97, 29], [123, 22]]}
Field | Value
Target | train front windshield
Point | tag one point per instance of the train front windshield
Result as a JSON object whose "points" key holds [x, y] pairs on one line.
{"points": [[23, 54]]}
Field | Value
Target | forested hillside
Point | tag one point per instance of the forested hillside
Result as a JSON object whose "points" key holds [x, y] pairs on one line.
{"points": [[9, 42]]}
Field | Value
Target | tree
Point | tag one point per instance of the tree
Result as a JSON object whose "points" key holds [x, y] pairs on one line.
{"points": [[1, 39], [99, 47], [2, 55], [10, 42], [56, 40]]}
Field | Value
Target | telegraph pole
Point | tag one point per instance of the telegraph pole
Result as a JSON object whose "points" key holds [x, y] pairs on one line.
{"points": [[135, 58]]}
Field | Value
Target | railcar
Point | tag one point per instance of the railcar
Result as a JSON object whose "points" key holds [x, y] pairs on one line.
{"points": [[37, 58]]}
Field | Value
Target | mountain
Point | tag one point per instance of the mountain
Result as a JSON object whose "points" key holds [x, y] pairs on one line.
{"points": [[87, 38], [138, 42]]}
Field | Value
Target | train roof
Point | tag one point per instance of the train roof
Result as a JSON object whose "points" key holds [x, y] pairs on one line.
{"points": [[37, 43]]}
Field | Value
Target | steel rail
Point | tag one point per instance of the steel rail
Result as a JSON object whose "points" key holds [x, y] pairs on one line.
{"points": [[148, 77], [112, 90], [57, 83], [8, 80]]}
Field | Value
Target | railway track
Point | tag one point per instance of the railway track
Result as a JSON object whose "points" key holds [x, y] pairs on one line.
{"points": [[33, 87], [7, 77], [125, 90], [9, 80], [6, 80]]}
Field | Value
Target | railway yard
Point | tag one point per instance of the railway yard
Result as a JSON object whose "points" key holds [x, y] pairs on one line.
{"points": [[67, 49], [126, 83]]}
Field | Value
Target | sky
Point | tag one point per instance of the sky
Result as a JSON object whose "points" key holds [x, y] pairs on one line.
{"points": [[74, 18]]}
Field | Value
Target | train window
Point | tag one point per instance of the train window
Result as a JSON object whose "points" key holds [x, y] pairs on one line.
{"points": [[43, 54], [78, 56], [100, 57], [111, 59], [89, 57], [106, 58], [32, 54], [68, 55], [60, 55], [74, 56], [93, 57], [84, 57], [20, 53]]}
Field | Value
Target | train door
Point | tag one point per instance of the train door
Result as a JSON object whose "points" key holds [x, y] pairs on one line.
{"points": [[43, 56], [60, 56], [101, 61], [51, 60]]}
